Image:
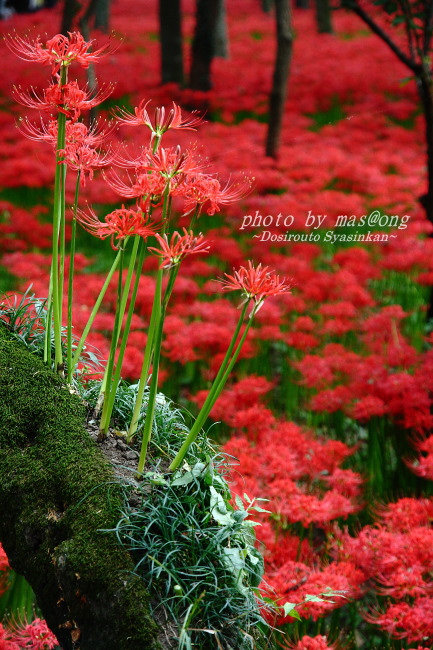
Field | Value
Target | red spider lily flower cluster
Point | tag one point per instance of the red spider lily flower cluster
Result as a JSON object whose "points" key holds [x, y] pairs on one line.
{"points": [[162, 121], [255, 283], [118, 224], [68, 98], [59, 51], [173, 251], [206, 191], [35, 636], [311, 643]]}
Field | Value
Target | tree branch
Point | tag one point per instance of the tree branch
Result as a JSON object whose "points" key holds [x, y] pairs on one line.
{"points": [[359, 11]]}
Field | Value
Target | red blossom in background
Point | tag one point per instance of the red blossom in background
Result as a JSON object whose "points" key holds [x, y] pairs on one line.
{"points": [[311, 643]]}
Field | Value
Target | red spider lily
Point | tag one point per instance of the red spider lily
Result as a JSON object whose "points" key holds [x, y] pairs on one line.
{"points": [[148, 187], [311, 643], [406, 621], [256, 283], [68, 99], [76, 132], [162, 121], [205, 190], [171, 162], [5, 642], [35, 635], [59, 51], [180, 246], [84, 159], [118, 224]]}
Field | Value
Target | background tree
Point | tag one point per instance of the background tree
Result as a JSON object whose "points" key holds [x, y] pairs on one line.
{"points": [[170, 28], [203, 44], [323, 17], [277, 99], [96, 15], [409, 36]]}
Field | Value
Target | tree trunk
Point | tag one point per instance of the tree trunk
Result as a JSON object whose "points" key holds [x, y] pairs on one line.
{"points": [[221, 37], [203, 45], [323, 17], [71, 8], [425, 90], [302, 4], [283, 57], [59, 499], [170, 29]]}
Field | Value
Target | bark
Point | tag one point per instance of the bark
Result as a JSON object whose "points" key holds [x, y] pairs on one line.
{"points": [[97, 13], [170, 29], [221, 38], [281, 75], [59, 498], [323, 17], [203, 45], [302, 4], [267, 5], [425, 89], [71, 9]]}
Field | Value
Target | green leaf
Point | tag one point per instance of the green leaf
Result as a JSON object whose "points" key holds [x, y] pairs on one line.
{"points": [[218, 508], [289, 610], [309, 598]]}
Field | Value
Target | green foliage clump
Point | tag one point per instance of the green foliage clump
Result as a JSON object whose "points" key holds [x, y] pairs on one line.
{"points": [[196, 554]]}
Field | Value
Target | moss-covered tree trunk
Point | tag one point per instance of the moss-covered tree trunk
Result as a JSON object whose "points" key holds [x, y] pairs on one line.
{"points": [[57, 496]]}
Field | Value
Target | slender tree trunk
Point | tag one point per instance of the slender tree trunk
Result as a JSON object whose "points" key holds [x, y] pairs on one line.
{"points": [[267, 5], [203, 45], [102, 15], [302, 4], [425, 89], [221, 38], [323, 17], [281, 75], [70, 10], [170, 29]]}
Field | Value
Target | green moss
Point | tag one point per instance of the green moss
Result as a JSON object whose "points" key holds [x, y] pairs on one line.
{"points": [[57, 495]]}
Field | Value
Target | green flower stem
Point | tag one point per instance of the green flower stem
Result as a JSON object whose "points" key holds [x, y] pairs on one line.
{"points": [[154, 317], [71, 277], [147, 429], [217, 386], [95, 310], [120, 312], [55, 296], [113, 384], [153, 327], [195, 217], [48, 321], [103, 426], [62, 234]]}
